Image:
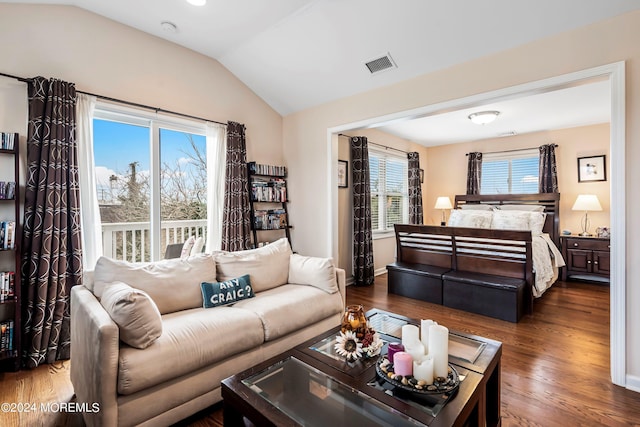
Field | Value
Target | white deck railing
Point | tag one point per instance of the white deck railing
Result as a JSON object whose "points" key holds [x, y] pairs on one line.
{"points": [[131, 241]]}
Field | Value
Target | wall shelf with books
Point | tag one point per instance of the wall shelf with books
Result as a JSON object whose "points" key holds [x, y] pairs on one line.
{"points": [[10, 228], [268, 200]]}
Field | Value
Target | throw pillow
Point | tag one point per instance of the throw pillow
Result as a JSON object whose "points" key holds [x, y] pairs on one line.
{"points": [[470, 218], [227, 292], [135, 313], [511, 220], [268, 266], [197, 246], [187, 246], [318, 272], [476, 207], [530, 208]]}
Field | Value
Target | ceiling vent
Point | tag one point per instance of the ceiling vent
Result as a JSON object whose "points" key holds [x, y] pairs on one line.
{"points": [[380, 64]]}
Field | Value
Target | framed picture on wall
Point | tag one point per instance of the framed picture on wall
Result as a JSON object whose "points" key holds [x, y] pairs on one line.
{"points": [[343, 174], [592, 169]]}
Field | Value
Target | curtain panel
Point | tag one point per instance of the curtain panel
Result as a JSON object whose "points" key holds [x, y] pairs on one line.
{"points": [[216, 150], [474, 172], [548, 176], [415, 189], [52, 253], [236, 230], [363, 272]]}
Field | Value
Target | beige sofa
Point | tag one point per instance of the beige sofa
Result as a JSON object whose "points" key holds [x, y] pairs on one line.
{"points": [[176, 361]]}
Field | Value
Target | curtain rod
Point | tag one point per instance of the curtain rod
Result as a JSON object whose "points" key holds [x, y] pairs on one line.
{"points": [[379, 145], [511, 151], [133, 104]]}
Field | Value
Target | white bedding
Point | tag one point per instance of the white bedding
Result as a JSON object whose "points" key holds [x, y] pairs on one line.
{"points": [[547, 259]]}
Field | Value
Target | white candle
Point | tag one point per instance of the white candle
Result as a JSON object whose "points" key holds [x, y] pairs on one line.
{"points": [[424, 333], [415, 349], [410, 334], [439, 349], [423, 369]]}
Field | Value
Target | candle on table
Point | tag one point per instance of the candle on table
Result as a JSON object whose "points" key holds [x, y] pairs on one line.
{"points": [[402, 363], [392, 349], [410, 334], [415, 349], [439, 349], [423, 369], [424, 333]]}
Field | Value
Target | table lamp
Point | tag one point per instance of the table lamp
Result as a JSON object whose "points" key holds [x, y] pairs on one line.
{"points": [[586, 203], [443, 203]]}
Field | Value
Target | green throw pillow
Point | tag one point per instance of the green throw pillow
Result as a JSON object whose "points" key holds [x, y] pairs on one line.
{"points": [[229, 292]]}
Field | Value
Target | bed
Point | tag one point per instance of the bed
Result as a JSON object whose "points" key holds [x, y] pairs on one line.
{"points": [[497, 253]]}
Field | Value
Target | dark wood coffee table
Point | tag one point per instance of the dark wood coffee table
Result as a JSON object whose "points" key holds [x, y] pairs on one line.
{"points": [[311, 385]]}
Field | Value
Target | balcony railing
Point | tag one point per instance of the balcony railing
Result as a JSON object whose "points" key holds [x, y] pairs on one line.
{"points": [[131, 241]]}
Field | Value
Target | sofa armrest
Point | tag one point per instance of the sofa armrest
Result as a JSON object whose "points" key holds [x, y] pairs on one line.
{"points": [[94, 357], [341, 277]]}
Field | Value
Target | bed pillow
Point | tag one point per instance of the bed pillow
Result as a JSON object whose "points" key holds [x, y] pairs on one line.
{"points": [[138, 318], [313, 271], [536, 222], [228, 292], [511, 220], [476, 207], [470, 218], [528, 208]]}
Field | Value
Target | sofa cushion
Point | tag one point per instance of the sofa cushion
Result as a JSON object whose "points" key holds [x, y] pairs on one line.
{"points": [[225, 293], [267, 266], [318, 272], [173, 284], [136, 315], [290, 307], [191, 339]]}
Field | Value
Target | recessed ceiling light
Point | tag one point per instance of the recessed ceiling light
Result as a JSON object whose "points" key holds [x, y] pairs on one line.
{"points": [[483, 117], [197, 2], [169, 27]]}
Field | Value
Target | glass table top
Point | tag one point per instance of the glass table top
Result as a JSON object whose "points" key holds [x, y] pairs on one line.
{"points": [[312, 398]]}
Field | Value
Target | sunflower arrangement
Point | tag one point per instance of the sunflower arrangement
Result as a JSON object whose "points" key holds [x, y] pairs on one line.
{"points": [[355, 344]]}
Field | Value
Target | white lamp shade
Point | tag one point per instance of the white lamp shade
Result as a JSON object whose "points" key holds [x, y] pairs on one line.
{"points": [[443, 203], [587, 202], [483, 117]]}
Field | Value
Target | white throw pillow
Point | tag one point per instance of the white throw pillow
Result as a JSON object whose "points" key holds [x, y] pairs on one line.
{"points": [[470, 218], [135, 313], [476, 207], [173, 284], [529, 208], [267, 266], [318, 272], [511, 220], [187, 246], [197, 246]]}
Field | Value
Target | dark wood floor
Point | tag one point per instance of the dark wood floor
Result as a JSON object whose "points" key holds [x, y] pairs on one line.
{"points": [[555, 363]]}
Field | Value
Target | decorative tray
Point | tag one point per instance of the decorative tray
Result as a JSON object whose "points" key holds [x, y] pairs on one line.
{"points": [[384, 369]]}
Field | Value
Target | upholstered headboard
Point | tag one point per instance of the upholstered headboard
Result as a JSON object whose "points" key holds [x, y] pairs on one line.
{"points": [[550, 201]]}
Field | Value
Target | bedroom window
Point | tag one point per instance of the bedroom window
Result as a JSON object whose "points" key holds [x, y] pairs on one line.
{"points": [[389, 192], [151, 180], [510, 172]]}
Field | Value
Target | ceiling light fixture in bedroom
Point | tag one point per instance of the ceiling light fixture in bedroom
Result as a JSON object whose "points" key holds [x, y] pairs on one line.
{"points": [[483, 117], [197, 2]]}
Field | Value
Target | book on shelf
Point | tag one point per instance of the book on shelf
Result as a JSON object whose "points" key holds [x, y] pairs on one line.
{"points": [[269, 219], [7, 285], [7, 140], [7, 190], [7, 234], [6, 335], [269, 190], [260, 169]]}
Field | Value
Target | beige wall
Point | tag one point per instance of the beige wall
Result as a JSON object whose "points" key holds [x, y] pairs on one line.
{"points": [[307, 152], [111, 59], [572, 143], [384, 247]]}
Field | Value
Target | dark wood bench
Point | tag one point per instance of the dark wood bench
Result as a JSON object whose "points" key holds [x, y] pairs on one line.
{"points": [[488, 272]]}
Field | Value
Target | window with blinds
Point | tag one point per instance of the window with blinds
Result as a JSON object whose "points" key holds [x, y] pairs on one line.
{"points": [[389, 190], [510, 172]]}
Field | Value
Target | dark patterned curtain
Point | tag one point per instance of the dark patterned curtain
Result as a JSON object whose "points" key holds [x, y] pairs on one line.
{"points": [[236, 217], [415, 189], [363, 273], [52, 255], [548, 178], [474, 172]]}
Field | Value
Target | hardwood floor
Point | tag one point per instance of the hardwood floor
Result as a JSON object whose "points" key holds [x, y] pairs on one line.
{"points": [[555, 363]]}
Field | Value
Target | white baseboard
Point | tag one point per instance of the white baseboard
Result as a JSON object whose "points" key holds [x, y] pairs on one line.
{"points": [[377, 272], [633, 383]]}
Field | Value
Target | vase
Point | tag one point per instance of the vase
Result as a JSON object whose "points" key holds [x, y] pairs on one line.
{"points": [[354, 320]]}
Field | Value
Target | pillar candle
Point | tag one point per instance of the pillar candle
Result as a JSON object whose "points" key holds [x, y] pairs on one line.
{"points": [[410, 334], [439, 349], [424, 333], [402, 363], [423, 369], [415, 349], [392, 349]]}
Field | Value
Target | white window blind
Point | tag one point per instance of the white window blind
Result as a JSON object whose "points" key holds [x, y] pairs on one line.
{"points": [[389, 192], [510, 172]]}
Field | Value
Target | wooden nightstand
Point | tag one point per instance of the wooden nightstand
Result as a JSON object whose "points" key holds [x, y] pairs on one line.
{"points": [[586, 258]]}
